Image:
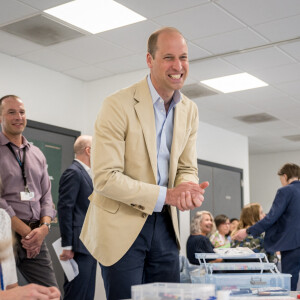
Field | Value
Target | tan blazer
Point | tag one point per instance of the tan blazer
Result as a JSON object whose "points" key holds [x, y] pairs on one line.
{"points": [[124, 165]]}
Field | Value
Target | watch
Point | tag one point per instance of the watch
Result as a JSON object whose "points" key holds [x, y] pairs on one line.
{"points": [[47, 224]]}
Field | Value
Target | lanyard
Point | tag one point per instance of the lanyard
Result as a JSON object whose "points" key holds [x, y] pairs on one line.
{"points": [[1, 278], [21, 164]]}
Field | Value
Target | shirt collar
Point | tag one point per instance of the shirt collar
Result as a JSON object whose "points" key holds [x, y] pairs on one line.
{"points": [[155, 96], [4, 141], [87, 168]]}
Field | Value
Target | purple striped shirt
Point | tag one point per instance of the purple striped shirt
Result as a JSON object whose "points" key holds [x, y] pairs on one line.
{"points": [[12, 182]]}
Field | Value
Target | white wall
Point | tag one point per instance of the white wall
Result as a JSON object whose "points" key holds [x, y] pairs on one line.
{"points": [[264, 180], [49, 96]]}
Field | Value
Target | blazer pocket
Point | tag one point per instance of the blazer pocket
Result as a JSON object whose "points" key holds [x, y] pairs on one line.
{"points": [[106, 204]]}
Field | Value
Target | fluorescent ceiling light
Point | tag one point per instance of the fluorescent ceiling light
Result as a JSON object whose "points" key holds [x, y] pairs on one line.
{"points": [[95, 16], [234, 83]]}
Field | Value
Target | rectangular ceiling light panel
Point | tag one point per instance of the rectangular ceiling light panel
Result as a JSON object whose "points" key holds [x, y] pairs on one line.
{"points": [[95, 16], [234, 83]]}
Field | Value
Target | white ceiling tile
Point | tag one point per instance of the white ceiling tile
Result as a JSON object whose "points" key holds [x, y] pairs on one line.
{"points": [[124, 64], [195, 52], [280, 74], [273, 126], [231, 41], [255, 148], [242, 129], [200, 21], [230, 107], [269, 104], [291, 88], [13, 45], [263, 140], [87, 73], [293, 48], [211, 68], [52, 60], [267, 92], [91, 50], [44, 4], [134, 36], [281, 29], [288, 130], [290, 115], [12, 10], [156, 8], [259, 59], [258, 11]]}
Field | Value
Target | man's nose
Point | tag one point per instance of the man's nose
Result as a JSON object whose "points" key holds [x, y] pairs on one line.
{"points": [[177, 65]]}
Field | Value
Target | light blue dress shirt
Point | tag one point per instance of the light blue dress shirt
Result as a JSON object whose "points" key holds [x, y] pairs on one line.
{"points": [[164, 123]]}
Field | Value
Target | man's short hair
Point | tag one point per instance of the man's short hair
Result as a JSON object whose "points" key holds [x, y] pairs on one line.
{"points": [[290, 170], [4, 97], [152, 41]]}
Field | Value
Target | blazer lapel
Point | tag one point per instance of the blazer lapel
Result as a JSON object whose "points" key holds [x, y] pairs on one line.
{"points": [[145, 112]]}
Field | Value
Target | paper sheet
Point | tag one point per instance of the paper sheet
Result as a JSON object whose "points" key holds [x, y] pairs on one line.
{"points": [[70, 266]]}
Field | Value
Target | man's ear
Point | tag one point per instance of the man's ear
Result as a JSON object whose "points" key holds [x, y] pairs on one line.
{"points": [[149, 60]]}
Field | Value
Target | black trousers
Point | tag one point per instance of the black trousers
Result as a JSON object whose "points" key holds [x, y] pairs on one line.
{"points": [[83, 285], [35, 270], [153, 257]]}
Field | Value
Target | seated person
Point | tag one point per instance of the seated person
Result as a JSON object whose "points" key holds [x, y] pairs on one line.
{"points": [[198, 241], [234, 222], [219, 238], [251, 214], [9, 287]]}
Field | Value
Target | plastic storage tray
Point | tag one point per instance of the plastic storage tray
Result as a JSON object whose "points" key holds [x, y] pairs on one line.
{"points": [[242, 284], [164, 291]]}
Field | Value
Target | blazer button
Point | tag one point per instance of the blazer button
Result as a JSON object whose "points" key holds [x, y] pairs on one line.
{"points": [[133, 205], [141, 207], [144, 215]]}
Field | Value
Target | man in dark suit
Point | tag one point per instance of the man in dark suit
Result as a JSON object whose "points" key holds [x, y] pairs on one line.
{"points": [[75, 187]]}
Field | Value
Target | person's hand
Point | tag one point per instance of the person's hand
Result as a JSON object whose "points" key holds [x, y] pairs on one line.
{"points": [[187, 195], [33, 253], [55, 293], [240, 235], [66, 255], [31, 292], [32, 242]]}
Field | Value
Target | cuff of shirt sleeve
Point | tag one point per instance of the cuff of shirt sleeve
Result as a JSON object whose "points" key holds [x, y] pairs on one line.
{"points": [[161, 199], [67, 248], [10, 211], [48, 212]]}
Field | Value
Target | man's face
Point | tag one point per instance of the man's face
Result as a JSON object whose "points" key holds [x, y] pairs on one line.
{"points": [[170, 66], [13, 117]]}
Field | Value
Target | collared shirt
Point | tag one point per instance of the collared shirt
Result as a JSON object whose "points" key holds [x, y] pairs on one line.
{"points": [[87, 168], [164, 123], [12, 182]]}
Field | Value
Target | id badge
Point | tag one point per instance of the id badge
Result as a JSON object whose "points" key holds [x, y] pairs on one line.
{"points": [[27, 196]]}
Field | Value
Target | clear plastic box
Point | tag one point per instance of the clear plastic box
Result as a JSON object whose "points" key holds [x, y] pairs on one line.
{"points": [[268, 284], [182, 291], [246, 282]]}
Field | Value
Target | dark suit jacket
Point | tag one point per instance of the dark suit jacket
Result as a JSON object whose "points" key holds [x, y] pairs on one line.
{"points": [[75, 186], [281, 224]]}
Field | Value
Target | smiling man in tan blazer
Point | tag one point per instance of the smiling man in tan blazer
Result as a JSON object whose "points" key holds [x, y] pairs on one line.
{"points": [[144, 163]]}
